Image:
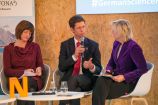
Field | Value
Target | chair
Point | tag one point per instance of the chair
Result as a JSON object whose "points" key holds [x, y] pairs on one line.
{"points": [[56, 78], [141, 89], [45, 78], [4, 82]]}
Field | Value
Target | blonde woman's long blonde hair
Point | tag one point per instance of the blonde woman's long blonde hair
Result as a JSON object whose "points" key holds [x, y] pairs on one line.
{"points": [[123, 26]]}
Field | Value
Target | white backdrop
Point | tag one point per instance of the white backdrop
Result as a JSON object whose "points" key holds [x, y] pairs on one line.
{"points": [[115, 6], [11, 13]]}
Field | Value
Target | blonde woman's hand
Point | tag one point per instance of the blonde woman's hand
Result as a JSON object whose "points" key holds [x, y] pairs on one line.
{"points": [[119, 78]]}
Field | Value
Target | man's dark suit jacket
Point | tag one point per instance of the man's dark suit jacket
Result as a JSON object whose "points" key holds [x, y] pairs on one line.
{"points": [[66, 62]]}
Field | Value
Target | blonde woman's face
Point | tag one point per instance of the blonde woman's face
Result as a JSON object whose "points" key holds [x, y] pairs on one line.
{"points": [[115, 33]]}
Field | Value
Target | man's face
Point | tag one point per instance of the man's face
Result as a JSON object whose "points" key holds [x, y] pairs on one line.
{"points": [[80, 29]]}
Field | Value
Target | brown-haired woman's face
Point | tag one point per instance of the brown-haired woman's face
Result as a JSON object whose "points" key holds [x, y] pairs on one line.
{"points": [[25, 36]]}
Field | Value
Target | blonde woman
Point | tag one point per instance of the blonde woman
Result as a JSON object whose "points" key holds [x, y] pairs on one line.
{"points": [[126, 65]]}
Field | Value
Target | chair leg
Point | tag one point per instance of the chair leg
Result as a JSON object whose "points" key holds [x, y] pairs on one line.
{"points": [[139, 99], [3, 104], [109, 102], [50, 102], [12, 103]]}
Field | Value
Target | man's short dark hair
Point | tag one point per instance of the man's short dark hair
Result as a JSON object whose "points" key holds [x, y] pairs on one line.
{"points": [[75, 19], [24, 25]]}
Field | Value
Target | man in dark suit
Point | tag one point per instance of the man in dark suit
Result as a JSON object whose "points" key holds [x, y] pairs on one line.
{"points": [[79, 59]]}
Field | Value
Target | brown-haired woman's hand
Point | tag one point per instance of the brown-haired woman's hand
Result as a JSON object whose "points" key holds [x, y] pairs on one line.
{"points": [[38, 71]]}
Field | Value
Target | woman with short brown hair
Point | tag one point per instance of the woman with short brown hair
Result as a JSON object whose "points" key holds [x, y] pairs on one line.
{"points": [[23, 58]]}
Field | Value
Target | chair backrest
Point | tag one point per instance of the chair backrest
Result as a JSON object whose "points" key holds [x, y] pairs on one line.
{"points": [[56, 78], [4, 82], [1, 61], [144, 83], [45, 76]]}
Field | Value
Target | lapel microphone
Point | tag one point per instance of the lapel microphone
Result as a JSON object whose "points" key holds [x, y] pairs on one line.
{"points": [[82, 43]]}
